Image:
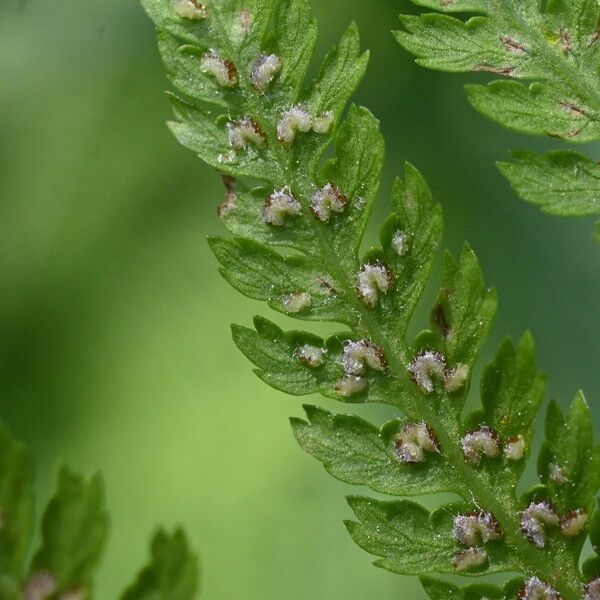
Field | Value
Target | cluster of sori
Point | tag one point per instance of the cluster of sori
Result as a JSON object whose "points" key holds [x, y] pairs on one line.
{"points": [[536, 589], [412, 441], [430, 364], [372, 280], [356, 357], [261, 72], [282, 203], [43, 586], [539, 515], [474, 530]]}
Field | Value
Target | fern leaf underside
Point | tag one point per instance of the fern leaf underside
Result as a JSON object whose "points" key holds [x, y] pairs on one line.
{"points": [[239, 67]]}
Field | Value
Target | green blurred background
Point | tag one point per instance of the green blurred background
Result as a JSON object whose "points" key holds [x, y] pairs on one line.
{"points": [[115, 346]]}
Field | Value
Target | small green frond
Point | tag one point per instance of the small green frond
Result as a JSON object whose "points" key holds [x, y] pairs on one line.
{"points": [[172, 574], [553, 49], [74, 532]]}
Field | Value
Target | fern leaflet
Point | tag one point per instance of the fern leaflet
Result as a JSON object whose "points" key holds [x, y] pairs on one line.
{"points": [[556, 50]]}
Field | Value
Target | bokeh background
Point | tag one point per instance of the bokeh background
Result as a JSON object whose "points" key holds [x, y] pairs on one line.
{"points": [[114, 324]]}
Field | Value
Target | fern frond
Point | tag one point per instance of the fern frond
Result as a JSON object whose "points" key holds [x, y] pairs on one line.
{"points": [[73, 535], [300, 173], [550, 59]]}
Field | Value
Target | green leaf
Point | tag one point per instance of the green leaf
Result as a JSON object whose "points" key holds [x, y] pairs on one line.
{"points": [[448, 44], [242, 214], [562, 183], [356, 170], [413, 541], [277, 356], [536, 109], [512, 390], [164, 17], [183, 64], [172, 574], [419, 223], [16, 504], [553, 47], [262, 274], [295, 39], [465, 309], [199, 131], [443, 590], [275, 353], [569, 448], [74, 531], [341, 72], [357, 452]]}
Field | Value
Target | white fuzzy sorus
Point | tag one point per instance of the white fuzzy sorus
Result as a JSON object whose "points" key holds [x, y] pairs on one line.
{"points": [[349, 385], [411, 443], [245, 131], [263, 71], [39, 587], [278, 206], [573, 523], [455, 379], [327, 200], [592, 590], [469, 559], [295, 120], [322, 123], [476, 527], [221, 69], [536, 589], [400, 243], [426, 365], [296, 302], [480, 442], [372, 280], [358, 355], [557, 474], [190, 9], [534, 520], [311, 356], [515, 447]]}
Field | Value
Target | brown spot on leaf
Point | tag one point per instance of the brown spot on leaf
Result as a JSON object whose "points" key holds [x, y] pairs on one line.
{"points": [[229, 203], [565, 39], [573, 109], [513, 46], [506, 71], [326, 284], [245, 21], [438, 316]]}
